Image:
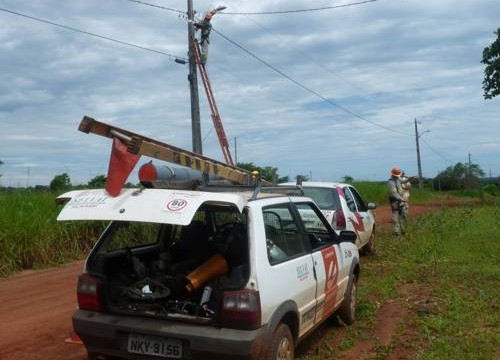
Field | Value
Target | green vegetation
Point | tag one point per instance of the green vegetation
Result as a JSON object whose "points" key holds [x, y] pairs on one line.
{"points": [[445, 273], [60, 182], [30, 236], [459, 176], [377, 192], [491, 58]]}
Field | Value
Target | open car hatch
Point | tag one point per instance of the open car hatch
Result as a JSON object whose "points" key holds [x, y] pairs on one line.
{"points": [[146, 205]]}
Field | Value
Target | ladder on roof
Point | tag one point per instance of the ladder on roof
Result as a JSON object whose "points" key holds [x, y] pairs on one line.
{"points": [[213, 106], [141, 145]]}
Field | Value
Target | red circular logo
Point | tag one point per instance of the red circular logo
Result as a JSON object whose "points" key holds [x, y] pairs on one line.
{"points": [[176, 205]]}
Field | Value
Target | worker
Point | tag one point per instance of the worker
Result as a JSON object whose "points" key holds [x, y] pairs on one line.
{"points": [[397, 201], [205, 27], [405, 186]]}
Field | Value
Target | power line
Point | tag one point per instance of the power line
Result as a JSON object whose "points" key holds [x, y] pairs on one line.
{"points": [[281, 72], [299, 10], [157, 6], [436, 152], [171, 56], [305, 87]]}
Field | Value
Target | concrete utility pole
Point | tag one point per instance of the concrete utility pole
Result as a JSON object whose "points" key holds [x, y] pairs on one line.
{"points": [[468, 175], [417, 136], [193, 84]]}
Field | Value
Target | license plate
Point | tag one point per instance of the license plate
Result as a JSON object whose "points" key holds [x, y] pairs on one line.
{"points": [[155, 346]]}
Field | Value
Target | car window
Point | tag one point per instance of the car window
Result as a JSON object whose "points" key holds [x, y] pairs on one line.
{"points": [[358, 200], [318, 232], [133, 234], [325, 198], [283, 237], [351, 203]]}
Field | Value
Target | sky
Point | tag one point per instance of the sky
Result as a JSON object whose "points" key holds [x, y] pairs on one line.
{"points": [[324, 93]]}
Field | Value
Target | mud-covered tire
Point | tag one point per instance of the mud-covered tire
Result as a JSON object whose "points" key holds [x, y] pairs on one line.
{"points": [[94, 356], [369, 248], [347, 311], [281, 346]]}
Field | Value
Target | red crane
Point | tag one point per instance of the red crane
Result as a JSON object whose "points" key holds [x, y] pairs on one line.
{"points": [[205, 26]]}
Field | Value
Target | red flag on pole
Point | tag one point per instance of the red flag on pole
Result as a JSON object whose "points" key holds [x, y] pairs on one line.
{"points": [[121, 164]]}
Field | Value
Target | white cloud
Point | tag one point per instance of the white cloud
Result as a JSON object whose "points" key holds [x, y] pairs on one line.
{"points": [[387, 61]]}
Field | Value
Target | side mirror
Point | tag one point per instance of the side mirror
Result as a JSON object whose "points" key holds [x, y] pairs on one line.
{"points": [[372, 205], [348, 236]]}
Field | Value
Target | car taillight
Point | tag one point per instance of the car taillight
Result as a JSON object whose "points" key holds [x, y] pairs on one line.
{"points": [[88, 293], [241, 309], [340, 223]]}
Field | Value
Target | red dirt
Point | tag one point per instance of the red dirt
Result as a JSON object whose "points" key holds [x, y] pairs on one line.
{"points": [[36, 308], [35, 313]]}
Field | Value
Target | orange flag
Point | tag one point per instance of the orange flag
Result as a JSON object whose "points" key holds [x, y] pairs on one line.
{"points": [[121, 164]]}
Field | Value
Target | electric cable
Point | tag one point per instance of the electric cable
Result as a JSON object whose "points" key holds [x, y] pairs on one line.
{"points": [[156, 6], [317, 94], [436, 152], [171, 56], [352, 113], [299, 10]]}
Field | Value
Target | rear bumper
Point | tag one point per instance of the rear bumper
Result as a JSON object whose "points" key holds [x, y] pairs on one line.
{"points": [[108, 334]]}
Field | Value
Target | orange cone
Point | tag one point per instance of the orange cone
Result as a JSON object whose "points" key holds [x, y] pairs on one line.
{"points": [[74, 339]]}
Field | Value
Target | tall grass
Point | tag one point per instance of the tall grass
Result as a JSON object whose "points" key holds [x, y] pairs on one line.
{"points": [[31, 237], [377, 192]]}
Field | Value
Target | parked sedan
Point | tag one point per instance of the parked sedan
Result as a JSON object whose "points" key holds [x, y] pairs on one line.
{"points": [[344, 207]]}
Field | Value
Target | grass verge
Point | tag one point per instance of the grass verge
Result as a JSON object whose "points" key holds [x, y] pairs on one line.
{"points": [[445, 273]]}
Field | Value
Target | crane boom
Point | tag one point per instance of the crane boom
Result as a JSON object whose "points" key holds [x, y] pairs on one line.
{"points": [[213, 106]]}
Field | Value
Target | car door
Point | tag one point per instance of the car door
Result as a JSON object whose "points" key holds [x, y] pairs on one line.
{"points": [[360, 217], [286, 271], [325, 260]]}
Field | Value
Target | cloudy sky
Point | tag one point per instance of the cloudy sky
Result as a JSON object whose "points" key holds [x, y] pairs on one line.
{"points": [[325, 93]]}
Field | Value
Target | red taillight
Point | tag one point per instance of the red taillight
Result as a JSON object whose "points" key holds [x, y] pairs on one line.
{"points": [[241, 309], [88, 293], [340, 223]]}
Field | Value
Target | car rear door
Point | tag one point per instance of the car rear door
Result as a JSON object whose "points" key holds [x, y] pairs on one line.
{"points": [[325, 259], [285, 270]]}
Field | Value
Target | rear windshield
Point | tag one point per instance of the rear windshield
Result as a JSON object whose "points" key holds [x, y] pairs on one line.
{"points": [[325, 198]]}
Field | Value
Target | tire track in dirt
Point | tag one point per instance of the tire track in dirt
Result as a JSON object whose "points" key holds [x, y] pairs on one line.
{"points": [[35, 313]]}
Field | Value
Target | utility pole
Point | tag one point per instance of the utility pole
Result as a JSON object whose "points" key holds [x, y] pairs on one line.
{"points": [[235, 152], [193, 84], [468, 175], [420, 179]]}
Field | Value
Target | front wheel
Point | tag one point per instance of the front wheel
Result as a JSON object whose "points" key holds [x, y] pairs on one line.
{"points": [[281, 347], [347, 311]]}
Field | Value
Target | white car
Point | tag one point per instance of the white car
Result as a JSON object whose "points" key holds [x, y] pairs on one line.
{"points": [[345, 209], [197, 275]]}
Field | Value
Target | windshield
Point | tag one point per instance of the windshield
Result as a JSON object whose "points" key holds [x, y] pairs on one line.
{"points": [[325, 198]]}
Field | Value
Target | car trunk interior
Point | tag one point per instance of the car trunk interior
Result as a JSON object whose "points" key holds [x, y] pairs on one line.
{"points": [[172, 271]]}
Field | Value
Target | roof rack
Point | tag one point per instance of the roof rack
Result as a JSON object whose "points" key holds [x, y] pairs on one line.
{"points": [[137, 144]]}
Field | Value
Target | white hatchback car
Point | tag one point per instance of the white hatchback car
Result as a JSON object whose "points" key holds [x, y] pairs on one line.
{"points": [[345, 209], [208, 275]]}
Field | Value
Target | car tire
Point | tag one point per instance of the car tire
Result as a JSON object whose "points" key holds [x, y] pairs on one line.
{"points": [[281, 347], [347, 311], [95, 356], [369, 248]]}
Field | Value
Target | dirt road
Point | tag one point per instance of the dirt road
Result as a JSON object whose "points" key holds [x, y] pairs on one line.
{"points": [[36, 308], [35, 313]]}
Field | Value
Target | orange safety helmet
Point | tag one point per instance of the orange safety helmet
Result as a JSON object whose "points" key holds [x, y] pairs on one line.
{"points": [[395, 171]]}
